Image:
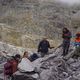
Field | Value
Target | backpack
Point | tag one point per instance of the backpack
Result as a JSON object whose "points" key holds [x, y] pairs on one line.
{"points": [[34, 57]]}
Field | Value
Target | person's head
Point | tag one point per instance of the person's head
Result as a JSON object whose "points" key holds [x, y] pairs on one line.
{"points": [[25, 54], [45, 38], [17, 57], [65, 30], [78, 35]]}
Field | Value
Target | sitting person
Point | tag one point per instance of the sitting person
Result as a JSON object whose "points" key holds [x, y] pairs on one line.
{"points": [[77, 39], [25, 65], [77, 44], [10, 67]]}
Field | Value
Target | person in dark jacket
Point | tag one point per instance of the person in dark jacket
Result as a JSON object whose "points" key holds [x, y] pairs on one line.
{"points": [[43, 47], [66, 35]]}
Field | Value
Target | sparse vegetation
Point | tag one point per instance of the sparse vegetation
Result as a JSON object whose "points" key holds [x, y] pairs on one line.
{"points": [[34, 18]]}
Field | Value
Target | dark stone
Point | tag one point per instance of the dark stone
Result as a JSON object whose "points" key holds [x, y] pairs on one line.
{"points": [[22, 77]]}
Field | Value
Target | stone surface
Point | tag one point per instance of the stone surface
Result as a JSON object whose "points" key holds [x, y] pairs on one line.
{"points": [[50, 67]]}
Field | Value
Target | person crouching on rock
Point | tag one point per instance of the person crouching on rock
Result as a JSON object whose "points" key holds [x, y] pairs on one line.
{"points": [[43, 47], [66, 35]]}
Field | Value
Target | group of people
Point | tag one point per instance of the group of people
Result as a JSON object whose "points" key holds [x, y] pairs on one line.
{"points": [[66, 35], [18, 63]]}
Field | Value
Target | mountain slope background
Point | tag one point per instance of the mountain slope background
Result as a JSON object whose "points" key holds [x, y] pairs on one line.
{"points": [[25, 22]]}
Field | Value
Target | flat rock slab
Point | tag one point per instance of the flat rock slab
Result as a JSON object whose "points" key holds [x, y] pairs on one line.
{"points": [[22, 76]]}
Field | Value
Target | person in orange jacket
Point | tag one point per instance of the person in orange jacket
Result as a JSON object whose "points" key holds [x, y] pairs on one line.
{"points": [[77, 45], [77, 39]]}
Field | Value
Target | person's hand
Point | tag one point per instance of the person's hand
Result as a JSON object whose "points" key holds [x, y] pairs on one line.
{"points": [[51, 47]]}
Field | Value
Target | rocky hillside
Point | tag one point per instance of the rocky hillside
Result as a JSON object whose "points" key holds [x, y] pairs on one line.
{"points": [[51, 67], [28, 21]]}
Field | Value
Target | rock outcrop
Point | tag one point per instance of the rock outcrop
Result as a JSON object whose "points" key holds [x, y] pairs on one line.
{"points": [[51, 67]]}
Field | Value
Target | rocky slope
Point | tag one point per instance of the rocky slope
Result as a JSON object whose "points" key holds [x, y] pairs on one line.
{"points": [[50, 67], [28, 21]]}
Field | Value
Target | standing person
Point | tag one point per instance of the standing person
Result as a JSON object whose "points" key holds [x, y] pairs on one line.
{"points": [[66, 35], [25, 65], [43, 47]]}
